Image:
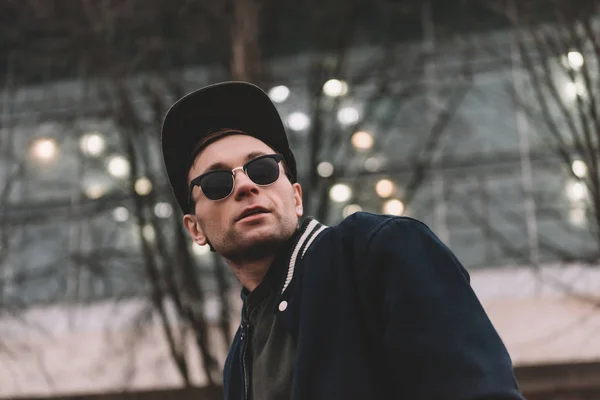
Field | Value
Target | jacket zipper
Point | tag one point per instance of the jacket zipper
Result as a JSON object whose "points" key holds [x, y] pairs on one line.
{"points": [[245, 338]]}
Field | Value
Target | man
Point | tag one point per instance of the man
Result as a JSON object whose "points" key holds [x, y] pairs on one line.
{"points": [[373, 308]]}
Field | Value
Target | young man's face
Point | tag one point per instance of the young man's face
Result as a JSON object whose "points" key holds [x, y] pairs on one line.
{"points": [[219, 223]]}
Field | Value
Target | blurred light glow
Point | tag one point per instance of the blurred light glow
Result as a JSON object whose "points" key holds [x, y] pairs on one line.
{"points": [[335, 88], [118, 166], [348, 116], [298, 121], [575, 59], [325, 169], [362, 140], [121, 214], [92, 144], [576, 191], [351, 209], [44, 149], [200, 250], [393, 207], [163, 210], [574, 90], [579, 168], [340, 193], [149, 233], [95, 190], [577, 216], [279, 94], [571, 90], [372, 164], [143, 186], [212, 309], [384, 188]]}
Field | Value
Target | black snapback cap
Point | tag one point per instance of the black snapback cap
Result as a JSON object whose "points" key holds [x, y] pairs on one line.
{"points": [[234, 105]]}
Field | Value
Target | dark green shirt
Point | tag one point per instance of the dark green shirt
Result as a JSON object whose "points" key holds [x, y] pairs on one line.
{"points": [[272, 348]]}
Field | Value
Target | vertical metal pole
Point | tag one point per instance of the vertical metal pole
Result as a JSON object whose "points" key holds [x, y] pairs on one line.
{"points": [[6, 147], [525, 158]]}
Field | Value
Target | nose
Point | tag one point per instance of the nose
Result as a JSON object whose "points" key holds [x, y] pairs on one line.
{"points": [[243, 186]]}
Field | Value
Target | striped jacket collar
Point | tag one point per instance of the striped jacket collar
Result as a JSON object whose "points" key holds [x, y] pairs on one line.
{"points": [[308, 232]]}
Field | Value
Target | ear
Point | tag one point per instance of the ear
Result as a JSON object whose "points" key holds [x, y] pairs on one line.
{"points": [[298, 199], [193, 227]]}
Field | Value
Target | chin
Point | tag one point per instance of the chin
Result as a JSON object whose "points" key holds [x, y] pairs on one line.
{"points": [[261, 235], [253, 248], [261, 227], [255, 241]]}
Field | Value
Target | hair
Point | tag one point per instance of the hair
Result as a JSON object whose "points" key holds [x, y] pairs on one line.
{"points": [[212, 137]]}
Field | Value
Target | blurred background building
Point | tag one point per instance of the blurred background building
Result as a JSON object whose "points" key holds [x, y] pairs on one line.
{"points": [[479, 118]]}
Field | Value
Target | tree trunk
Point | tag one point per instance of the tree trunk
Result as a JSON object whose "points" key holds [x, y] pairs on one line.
{"points": [[245, 35]]}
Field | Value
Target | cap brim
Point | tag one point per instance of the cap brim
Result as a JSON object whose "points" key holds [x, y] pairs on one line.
{"points": [[236, 105]]}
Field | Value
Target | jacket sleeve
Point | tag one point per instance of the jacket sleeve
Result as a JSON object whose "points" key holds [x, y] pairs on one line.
{"points": [[433, 332]]}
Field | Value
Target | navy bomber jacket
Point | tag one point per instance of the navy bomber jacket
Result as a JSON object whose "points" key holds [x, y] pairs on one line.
{"points": [[381, 309]]}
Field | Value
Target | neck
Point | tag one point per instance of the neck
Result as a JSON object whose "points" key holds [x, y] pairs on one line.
{"points": [[251, 273]]}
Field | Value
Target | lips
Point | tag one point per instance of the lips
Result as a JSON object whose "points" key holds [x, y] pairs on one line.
{"points": [[251, 211]]}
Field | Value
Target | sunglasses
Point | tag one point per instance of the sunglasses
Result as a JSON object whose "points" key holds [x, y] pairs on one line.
{"points": [[218, 184]]}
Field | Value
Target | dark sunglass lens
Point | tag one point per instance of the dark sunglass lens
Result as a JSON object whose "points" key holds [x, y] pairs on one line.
{"points": [[263, 171], [216, 185]]}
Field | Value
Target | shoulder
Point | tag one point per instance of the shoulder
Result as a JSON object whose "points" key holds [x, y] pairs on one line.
{"points": [[409, 242], [363, 233], [386, 238], [381, 227]]}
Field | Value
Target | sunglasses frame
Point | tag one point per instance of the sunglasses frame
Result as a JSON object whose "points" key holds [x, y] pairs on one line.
{"points": [[196, 181]]}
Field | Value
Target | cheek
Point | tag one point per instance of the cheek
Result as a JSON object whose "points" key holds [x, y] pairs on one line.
{"points": [[287, 200], [211, 218]]}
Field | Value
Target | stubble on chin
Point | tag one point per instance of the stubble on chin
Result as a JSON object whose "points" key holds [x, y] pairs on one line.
{"points": [[241, 249]]}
